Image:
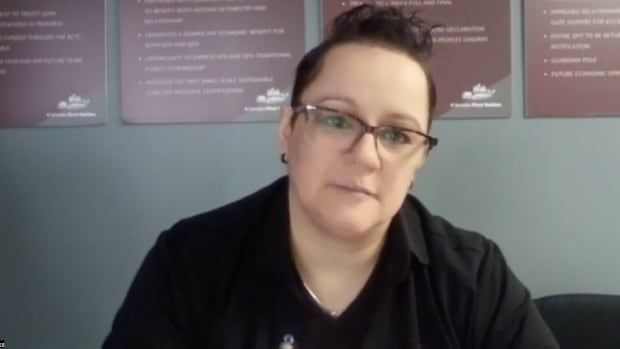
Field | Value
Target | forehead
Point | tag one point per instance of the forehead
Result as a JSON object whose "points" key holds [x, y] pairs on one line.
{"points": [[374, 80]]}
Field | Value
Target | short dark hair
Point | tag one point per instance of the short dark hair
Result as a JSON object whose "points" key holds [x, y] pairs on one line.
{"points": [[388, 26]]}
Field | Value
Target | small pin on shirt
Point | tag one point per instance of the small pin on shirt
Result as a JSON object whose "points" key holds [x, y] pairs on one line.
{"points": [[288, 342]]}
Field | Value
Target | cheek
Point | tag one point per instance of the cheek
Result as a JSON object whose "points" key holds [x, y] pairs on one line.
{"points": [[308, 166]]}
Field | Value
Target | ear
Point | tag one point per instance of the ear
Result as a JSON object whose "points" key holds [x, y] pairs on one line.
{"points": [[285, 129]]}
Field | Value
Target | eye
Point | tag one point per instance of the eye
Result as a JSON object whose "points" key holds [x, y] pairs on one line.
{"points": [[335, 121], [394, 135]]}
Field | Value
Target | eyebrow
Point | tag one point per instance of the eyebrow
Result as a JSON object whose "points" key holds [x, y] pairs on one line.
{"points": [[337, 97], [390, 116], [406, 118]]}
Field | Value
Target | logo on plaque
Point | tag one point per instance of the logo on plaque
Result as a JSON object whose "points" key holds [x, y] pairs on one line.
{"points": [[74, 102], [478, 93], [273, 96]]}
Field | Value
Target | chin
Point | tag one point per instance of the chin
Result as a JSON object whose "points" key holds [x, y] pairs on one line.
{"points": [[349, 223]]}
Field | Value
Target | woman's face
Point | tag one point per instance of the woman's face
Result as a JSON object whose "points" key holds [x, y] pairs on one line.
{"points": [[350, 192]]}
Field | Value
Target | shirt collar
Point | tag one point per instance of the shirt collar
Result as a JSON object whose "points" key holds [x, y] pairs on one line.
{"points": [[408, 222]]}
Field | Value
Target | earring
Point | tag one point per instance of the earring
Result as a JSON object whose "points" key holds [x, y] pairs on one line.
{"points": [[411, 185], [283, 158]]}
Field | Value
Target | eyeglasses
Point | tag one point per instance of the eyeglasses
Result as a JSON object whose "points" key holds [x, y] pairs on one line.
{"points": [[343, 131]]}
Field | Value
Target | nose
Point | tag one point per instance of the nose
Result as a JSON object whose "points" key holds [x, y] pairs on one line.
{"points": [[364, 152]]}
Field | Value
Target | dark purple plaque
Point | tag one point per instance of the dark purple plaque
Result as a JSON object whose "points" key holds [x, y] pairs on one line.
{"points": [[52, 63], [572, 58], [471, 61], [208, 61]]}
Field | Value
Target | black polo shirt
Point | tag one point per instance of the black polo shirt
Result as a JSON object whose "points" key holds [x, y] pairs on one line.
{"points": [[226, 280]]}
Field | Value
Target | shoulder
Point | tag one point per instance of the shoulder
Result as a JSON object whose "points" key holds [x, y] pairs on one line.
{"points": [[488, 305], [467, 273], [458, 253], [443, 235], [223, 229]]}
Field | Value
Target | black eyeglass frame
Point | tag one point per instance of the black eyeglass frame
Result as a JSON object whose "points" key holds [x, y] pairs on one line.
{"points": [[305, 108]]}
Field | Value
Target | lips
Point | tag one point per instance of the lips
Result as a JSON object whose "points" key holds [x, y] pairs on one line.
{"points": [[354, 189]]}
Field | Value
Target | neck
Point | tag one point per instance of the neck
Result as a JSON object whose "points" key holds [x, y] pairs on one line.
{"points": [[326, 250], [331, 264]]}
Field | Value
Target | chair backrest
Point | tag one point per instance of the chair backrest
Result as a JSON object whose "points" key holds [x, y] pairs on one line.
{"points": [[583, 321]]}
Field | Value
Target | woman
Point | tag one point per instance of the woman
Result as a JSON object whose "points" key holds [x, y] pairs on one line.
{"points": [[336, 254]]}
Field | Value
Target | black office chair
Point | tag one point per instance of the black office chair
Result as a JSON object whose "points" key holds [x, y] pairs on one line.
{"points": [[583, 321]]}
